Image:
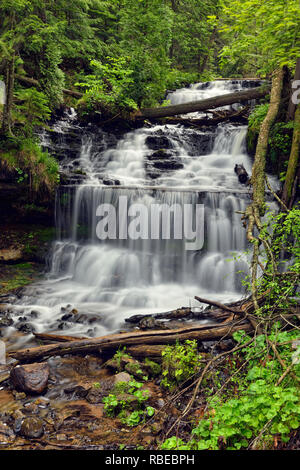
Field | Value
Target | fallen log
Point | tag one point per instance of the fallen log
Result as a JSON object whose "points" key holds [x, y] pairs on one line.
{"points": [[233, 116], [173, 314], [114, 341], [219, 305], [203, 105], [51, 338], [146, 350]]}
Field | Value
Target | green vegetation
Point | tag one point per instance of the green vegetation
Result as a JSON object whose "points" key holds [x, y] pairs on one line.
{"points": [[263, 406], [18, 275], [128, 403], [259, 382], [33, 166], [180, 362]]}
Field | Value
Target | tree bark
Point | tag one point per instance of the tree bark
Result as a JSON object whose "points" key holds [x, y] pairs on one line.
{"points": [[258, 171], [111, 342], [257, 208], [203, 105], [293, 161]]}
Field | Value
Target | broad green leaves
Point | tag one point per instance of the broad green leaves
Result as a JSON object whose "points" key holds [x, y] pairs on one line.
{"points": [[260, 35]]}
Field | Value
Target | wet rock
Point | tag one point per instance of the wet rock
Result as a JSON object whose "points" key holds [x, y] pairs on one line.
{"points": [[31, 378], [7, 435], [32, 428], [77, 390], [67, 317], [25, 327], [103, 388], [156, 142], [122, 377], [31, 408], [95, 395], [111, 182], [5, 320], [170, 164], [114, 364], [34, 314], [160, 154]]}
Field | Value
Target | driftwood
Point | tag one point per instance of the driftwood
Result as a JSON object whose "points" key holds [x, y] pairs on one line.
{"points": [[203, 105], [50, 338], [146, 350], [219, 305], [111, 342], [173, 314]]}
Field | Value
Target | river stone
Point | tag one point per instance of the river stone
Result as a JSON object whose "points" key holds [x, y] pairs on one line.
{"points": [[5, 320], [31, 378], [122, 377], [32, 428], [156, 142], [96, 394]]}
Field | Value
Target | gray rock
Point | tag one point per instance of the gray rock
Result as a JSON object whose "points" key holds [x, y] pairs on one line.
{"points": [[122, 377]]}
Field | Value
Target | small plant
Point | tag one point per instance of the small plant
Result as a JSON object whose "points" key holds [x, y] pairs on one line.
{"points": [[180, 362], [127, 402]]}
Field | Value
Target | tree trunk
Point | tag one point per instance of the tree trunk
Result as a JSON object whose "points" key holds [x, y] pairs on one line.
{"points": [[293, 160], [257, 208], [112, 342], [258, 171], [203, 105]]}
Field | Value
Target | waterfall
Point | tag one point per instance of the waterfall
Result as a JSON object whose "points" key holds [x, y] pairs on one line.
{"points": [[104, 281]]}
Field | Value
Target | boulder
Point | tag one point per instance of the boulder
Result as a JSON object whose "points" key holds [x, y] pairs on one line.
{"points": [[32, 428], [30, 378], [122, 377], [5, 320], [156, 142]]}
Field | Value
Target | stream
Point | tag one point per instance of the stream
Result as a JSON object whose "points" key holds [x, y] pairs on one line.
{"points": [[92, 285]]}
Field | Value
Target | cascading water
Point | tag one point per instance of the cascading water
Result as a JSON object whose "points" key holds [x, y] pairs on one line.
{"points": [[106, 281]]}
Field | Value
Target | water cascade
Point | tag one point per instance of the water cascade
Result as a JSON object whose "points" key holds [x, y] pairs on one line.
{"points": [[106, 281]]}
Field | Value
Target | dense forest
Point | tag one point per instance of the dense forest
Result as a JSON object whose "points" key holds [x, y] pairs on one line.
{"points": [[82, 72]]}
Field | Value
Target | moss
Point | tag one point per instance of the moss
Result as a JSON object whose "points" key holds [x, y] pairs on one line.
{"points": [[152, 367], [13, 277], [29, 164]]}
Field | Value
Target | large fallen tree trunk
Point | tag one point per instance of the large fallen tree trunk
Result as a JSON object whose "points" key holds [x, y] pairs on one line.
{"points": [[111, 342], [203, 105], [218, 117]]}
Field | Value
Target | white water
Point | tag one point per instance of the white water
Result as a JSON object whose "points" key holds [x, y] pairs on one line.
{"points": [[109, 281]]}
